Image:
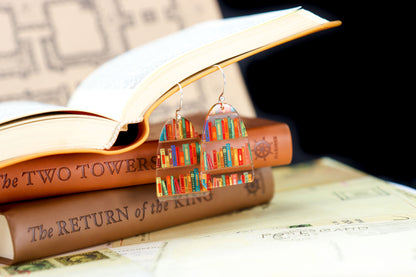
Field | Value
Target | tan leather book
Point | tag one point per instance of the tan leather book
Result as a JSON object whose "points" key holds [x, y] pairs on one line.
{"points": [[270, 141], [40, 228]]}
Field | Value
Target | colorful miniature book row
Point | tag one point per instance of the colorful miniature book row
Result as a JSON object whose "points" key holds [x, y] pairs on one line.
{"points": [[184, 130], [175, 155], [184, 183], [196, 182], [224, 128], [226, 156], [189, 154], [227, 179]]}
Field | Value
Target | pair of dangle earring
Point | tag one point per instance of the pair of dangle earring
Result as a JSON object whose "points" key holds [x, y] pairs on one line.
{"points": [[190, 165]]}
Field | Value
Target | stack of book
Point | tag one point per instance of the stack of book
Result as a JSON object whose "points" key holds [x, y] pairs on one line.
{"points": [[67, 182]]}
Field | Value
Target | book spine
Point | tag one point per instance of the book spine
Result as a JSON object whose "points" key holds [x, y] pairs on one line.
{"points": [[73, 173], [186, 153], [208, 131], [231, 128], [174, 155], [184, 134], [86, 219], [237, 128], [218, 127], [229, 158]]}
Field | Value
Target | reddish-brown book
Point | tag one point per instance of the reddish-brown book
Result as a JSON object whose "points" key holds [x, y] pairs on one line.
{"points": [[270, 142], [40, 228]]}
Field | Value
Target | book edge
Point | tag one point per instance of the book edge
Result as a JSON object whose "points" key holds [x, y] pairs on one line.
{"points": [[6, 247]]}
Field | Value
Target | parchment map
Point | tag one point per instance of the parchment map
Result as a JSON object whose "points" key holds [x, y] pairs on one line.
{"points": [[49, 46]]}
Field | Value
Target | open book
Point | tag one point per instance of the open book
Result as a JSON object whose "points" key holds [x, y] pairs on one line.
{"points": [[128, 88]]}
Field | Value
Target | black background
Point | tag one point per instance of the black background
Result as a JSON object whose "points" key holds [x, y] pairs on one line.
{"points": [[346, 93]]}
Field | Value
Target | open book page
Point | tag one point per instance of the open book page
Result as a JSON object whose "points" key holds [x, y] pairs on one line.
{"points": [[359, 249], [355, 199], [358, 226], [127, 72], [41, 59], [309, 174], [18, 109], [144, 67]]}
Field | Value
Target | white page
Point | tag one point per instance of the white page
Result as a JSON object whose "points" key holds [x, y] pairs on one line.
{"points": [[107, 90], [13, 110], [368, 249], [365, 249]]}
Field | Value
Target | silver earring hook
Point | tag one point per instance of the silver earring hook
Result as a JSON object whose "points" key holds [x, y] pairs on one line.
{"points": [[221, 98], [178, 116]]}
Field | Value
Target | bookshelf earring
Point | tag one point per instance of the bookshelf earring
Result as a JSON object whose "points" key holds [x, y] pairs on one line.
{"points": [[178, 159], [188, 165], [225, 150]]}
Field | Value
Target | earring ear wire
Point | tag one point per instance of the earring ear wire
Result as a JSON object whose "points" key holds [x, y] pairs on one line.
{"points": [[221, 98], [177, 115]]}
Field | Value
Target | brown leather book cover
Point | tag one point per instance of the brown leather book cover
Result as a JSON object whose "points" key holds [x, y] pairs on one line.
{"points": [[270, 142], [41, 228]]}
